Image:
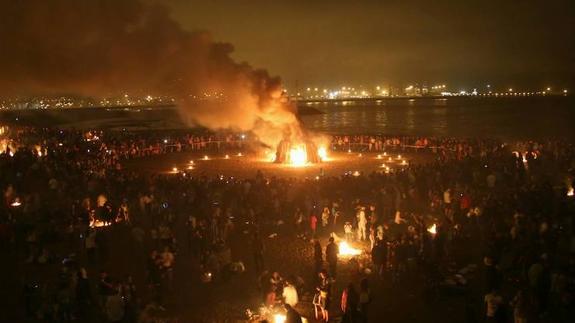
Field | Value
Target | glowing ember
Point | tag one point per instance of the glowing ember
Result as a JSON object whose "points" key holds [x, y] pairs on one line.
{"points": [[239, 154], [404, 162], [190, 167], [383, 166], [206, 157], [206, 277], [271, 156], [389, 159], [16, 203], [346, 250], [191, 162], [432, 229], [379, 157], [297, 156], [349, 151], [360, 155], [384, 153], [398, 156], [227, 157], [570, 192], [175, 169]]}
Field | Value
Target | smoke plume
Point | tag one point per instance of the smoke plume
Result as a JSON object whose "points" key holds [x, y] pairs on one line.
{"points": [[108, 48]]}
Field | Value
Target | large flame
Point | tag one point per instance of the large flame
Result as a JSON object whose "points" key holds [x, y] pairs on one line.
{"points": [[346, 250], [322, 153], [279, 318], [297, 156]]}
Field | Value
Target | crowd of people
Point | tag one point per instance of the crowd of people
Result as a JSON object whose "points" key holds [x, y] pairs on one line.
{"points": [[67, 202]]}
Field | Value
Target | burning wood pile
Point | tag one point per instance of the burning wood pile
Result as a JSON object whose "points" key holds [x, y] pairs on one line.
{"points": [[299, 154]]}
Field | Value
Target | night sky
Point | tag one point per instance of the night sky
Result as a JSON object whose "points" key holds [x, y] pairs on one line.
{"points": [[464, 43], [180, 48]]}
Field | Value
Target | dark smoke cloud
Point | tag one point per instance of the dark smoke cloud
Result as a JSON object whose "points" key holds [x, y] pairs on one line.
{"points": [[107, 48]]}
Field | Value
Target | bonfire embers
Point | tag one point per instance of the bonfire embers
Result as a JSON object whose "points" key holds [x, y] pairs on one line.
{"points": [[297, 154]]}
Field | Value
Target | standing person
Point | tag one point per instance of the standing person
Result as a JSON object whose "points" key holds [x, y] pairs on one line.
{"points": [[331, 252], [364, 299], [83, 294], [90, 245], [153, 269], [379, 257], [313, 224], [105, 288], [292, 316], [128, 293], [348, 229], [361, 224], [325, 215], [167, 262], [298, 222], [335, 213], [494, 302], [322, 299], [258, 249], [520, 306], [114, 307], [191, 227], [290, 293], [317, 256], [349, 302]]}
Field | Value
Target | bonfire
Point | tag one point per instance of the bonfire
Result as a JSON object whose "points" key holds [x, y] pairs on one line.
{"points": [[346, 250], [299, 154]]}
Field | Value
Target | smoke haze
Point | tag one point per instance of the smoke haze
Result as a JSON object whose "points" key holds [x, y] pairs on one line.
{"points": [[108, 48]]}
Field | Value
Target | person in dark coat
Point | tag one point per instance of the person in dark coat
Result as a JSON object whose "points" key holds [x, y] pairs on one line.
{"points": [[292, 316], [258, 249], [331, 252], [317, 256], [349, 302], [83, 294], [379, 257]]}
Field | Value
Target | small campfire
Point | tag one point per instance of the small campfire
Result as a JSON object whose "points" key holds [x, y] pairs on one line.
{"points": [[94, 223], [346, 250]]}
